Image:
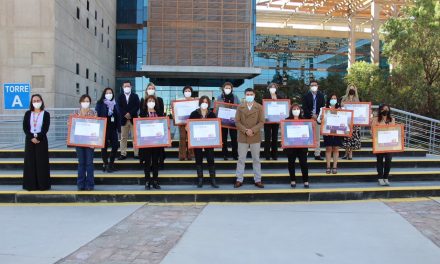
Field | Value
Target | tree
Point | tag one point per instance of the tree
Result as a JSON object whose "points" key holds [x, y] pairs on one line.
{"points": [[411, 43]]}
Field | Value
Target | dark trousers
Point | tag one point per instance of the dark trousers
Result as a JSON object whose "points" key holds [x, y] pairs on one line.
{"points": [[271, 140], [209, 153], [383, 168], [151, 158], [86, 178], [301, 154], [111, 140], [233, 135]]}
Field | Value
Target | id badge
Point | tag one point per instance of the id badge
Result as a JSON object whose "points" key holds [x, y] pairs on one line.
{"points": [[112, 119]]}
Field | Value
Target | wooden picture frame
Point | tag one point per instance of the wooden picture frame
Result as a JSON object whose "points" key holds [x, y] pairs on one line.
{"points": [[275, 119], [396, 131], [362, 120], [198, 137], [88, 131], [187, 106], [335, 114], [226, 123], [309, 141], [140, 140]]}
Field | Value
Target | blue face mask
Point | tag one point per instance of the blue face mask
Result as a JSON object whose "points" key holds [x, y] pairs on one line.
{"points": [[250, 98], [333, 102]]}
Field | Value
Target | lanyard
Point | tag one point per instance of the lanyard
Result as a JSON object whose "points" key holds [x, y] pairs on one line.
{"points": [[35, 121]]}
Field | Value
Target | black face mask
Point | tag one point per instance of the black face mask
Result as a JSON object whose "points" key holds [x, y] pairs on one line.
{"points": [[352, 92]]}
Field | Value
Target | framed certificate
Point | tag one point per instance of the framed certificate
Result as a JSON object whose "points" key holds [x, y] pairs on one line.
{"points": [[275, 110], [337, 122], [226, 112], [151, 132], [298, 133], [362, 113], [204, 133], [86, 131], [388, 138], [182, 109]]}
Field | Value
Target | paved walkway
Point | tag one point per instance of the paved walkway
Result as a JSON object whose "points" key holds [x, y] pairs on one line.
{"points": [[390, 231]]}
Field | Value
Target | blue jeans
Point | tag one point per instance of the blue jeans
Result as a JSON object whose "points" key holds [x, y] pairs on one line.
{"points": [[86, 179]]}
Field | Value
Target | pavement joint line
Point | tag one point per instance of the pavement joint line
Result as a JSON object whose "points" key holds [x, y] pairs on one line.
{"points": [[72, 204]]}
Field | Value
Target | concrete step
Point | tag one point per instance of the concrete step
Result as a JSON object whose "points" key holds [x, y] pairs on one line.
{"points": [[170, 177], [226, 193]]}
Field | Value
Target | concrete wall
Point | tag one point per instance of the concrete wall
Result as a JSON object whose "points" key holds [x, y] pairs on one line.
{"points": [[75, 43], [27, 44], [42, 40]]}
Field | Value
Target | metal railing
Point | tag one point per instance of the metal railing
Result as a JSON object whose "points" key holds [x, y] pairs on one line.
{"points": [[420, 132]]}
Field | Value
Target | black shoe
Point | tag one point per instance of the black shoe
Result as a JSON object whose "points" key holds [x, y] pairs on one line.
{"points": [[136, 157], [235, 158], [147, 185], [267, 158], [90, 189], [110, 168], [306, 186], [104, 168], [81, 189], [345, 157], [318, 158], [156, 185], [225, 158], [199, 182], [274, 158], [293, 185], [122, 157]]}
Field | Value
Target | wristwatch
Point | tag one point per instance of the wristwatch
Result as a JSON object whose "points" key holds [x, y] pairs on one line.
{"points": [[35, 135]]}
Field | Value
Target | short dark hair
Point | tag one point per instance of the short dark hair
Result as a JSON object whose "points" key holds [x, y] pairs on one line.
{"points": [[103, 94], [127, 81], [187, 87], [84, 96], [203, 98], [156, 106], [327, 104], [31, 106], [301, 113], [313, 81], [226, 84], [249, 90]]}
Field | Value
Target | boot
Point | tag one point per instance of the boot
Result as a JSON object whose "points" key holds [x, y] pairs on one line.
{"points": [[212, 176], [147, 180], [199, 176], [155, 180], [111, 167]]}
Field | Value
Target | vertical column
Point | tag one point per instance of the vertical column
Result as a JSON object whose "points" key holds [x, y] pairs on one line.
{"points": [[375, 24], [351, 41]]}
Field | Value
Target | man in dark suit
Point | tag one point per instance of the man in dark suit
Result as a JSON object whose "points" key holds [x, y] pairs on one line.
{"points": [[312, 103], [128, 103]]}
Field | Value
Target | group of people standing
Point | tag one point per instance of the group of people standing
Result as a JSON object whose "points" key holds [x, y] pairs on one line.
{"points": [[249, 121]]}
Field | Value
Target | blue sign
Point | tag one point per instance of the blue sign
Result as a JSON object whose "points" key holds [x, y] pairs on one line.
{"points": [[16, 96]]}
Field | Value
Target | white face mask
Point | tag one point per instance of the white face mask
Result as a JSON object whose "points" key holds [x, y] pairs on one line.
{"points": [[296, 112], [228, 91], [85, 105], [151, 105], [150, 92], [108, 96], [204, 106], [127, 90], [314, 88], [187, 94], [272, 90], [37, 105]]}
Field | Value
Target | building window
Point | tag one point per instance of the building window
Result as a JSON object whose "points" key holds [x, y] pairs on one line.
{"points": [[126, 50], [87, 73], [108, 43], [94, 77], [87, 90], [88, 5], [108, 30], [102, 23], [77, 68], [102, 37], [77, 13], [102, 79], [87, 22], [96, 15], [96, 31], [77, 88]]}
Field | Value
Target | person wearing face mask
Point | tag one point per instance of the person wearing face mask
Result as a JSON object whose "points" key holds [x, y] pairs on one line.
{"points": [[300, 153], [383, 164], [36, 122], [229, 97], [151, 90], [184, 152], [107, 107], [312, 103], [151, 156], [249, 120], [202, 113], [353, 142], [86, 178], [271, 130], [331, 143], [128, 103]]}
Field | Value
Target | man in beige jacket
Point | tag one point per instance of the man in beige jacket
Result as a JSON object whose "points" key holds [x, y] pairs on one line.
{"points": [[249, 120]]}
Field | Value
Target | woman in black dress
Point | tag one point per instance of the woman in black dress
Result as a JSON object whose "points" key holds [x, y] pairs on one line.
{"points": [[331, 143], [36, 122]]}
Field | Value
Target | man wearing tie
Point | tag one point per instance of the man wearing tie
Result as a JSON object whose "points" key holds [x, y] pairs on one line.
{"points": [[128, 103]]}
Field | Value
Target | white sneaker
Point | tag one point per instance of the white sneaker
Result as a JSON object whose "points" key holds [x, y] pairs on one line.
{"points": [[387, 183], [381, 182]]}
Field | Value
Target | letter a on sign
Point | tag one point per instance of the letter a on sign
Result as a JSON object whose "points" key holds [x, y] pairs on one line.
{"points": [[17, 102]]}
